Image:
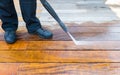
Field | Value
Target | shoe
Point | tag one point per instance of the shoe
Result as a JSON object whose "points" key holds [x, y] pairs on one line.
{"points": [[42, 33], [10, 37]]}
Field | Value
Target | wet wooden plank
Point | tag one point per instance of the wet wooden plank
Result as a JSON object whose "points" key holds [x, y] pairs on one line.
{"points": [[71, 69], [91, 32], [79, 36], [20, 45], [59, 68], [98, 36], [61, 45], [70, 45], [53, 56]]}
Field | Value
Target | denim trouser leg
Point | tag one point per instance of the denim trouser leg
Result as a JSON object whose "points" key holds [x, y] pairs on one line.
{"points": [[8, 15], [28, 8]]}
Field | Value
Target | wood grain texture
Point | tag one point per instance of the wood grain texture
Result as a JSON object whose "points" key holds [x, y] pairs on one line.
{"points": [[103, 47], [70, 69], [88, 31], [59, 68], [59, 56], [31, 55], [61, 46]]}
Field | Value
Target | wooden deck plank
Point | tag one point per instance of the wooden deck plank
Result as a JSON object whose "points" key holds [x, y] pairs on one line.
{"points": [[95, 24], [59, 68], [107, 33], [70, 45], [79, 36], [43, 56], [61, 45]]}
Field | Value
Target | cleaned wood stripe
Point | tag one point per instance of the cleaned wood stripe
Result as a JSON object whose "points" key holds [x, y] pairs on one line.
{"points": [[94, 29], [42, 56], [98, 36], [70, 45]]}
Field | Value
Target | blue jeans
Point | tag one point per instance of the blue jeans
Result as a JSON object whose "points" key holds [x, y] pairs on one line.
{"points": [[9, 17]]}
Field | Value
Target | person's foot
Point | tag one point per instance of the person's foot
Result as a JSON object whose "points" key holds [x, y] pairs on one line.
{"points": [[45, 34], [10, 37]]}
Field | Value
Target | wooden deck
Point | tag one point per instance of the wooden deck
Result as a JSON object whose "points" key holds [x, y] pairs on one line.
{"points": [[31, 55], [100, 55]]}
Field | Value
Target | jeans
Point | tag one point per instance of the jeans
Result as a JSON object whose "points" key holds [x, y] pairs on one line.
{"points": [[9, 16]]}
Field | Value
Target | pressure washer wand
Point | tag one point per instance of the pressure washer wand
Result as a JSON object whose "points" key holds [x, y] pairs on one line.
{"points": [[53, 14]]}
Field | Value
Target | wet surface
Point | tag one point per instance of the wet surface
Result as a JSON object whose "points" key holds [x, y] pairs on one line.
{"points": [[88, 31], [60, 54]]}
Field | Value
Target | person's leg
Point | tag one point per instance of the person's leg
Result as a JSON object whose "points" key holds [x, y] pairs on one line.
{"points": [[8, 15], [9, 20], [28, 8]]}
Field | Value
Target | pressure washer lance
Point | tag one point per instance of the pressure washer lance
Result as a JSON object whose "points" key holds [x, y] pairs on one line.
{"points": [[49, 8], [66, 30]]}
